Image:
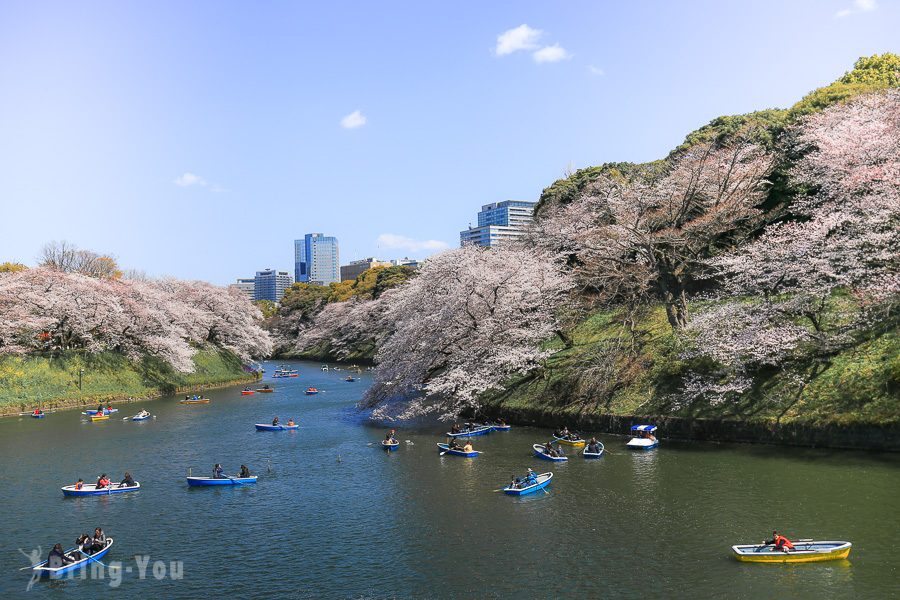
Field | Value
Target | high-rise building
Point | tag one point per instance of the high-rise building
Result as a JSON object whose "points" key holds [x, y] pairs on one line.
{"points": [[316, 259], [270, 285], [358, 267], [246, 286], [499, 222]]}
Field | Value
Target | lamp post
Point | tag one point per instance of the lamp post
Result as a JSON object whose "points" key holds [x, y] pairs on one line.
{"points": [[80, 375]]}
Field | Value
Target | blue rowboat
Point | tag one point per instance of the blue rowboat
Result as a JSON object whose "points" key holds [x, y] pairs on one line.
{"points": [[204, 481], [38, 415], [90, 489], [446, 448], [141, 417], [543, 480], [104, 411], [480, 430], [42, 570], [639, 442], [587, 454], [501, 427], [390, 447], [539, 452], [264, 427]]}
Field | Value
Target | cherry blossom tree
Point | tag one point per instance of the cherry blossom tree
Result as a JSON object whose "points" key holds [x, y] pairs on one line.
{"points": [[643, 239], [470, 319]]}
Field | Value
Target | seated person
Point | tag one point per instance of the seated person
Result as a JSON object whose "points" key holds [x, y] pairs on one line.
{"points": [[127, 481], [453, 444], [530, 477], [515, 482], [103, 482], [57, 558], [455, 428], [83, 543], [275, 421], [79, 484], [98, 542], [218, 472], [549, 450], [468, 447], [291, 422], [245, 471]]}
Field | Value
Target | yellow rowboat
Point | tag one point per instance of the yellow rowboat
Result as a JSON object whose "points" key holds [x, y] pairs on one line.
{"points": [[200, 401], [804, 551], [99, 417], [573, 443]]}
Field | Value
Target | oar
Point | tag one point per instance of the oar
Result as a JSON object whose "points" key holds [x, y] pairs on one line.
{"points": [[91, 558]]}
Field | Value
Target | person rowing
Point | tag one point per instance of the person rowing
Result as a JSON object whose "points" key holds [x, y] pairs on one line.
{"points": [[275, 421], [593, 446], [245, 472], [98, 542], [100, 409], [515, 482], [83, 543], [103, 482], [218, 472], [549, 450], [455, 428], [389, 438], [57, 558], [127, 481], [780, 542], [452, 444], [530, 477]]}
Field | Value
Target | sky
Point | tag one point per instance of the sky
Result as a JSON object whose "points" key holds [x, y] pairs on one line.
{"points": [[199, 139]]}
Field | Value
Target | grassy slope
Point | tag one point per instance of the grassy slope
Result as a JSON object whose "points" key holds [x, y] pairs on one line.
{"points": [[861, 385], [27, 382]]}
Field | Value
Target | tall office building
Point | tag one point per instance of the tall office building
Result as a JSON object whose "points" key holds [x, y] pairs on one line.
{"points": [[316, 259], [499, 222], [270, 285]]}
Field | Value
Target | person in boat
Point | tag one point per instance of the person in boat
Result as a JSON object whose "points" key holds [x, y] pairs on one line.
{"points": [[100, 409], [246, 389], [291, 422], [455, 428], [37, 411], [452, 444], [83, 543], [549, 450], [780, 542], [515, 482], [530, 477], [468, 447], [218, 472], [186, 398], [245, 472], [98, 542], [593, 446], [275, 421], [103, 482], [265, 387], [127, 481], [79, 484], [57, 558]]}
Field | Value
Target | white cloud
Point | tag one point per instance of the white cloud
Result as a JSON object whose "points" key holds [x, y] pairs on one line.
{"points": [[522, 37], [595, 70], [858, 6], [189, 179], [401, 242], [353, 120], [551, 54]]}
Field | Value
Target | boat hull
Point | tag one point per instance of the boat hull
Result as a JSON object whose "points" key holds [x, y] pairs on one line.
{"points": [[41, 416], [446, 449], [90, 489], [104, 411], [43, 571], [247, 393], [593, 455], [472, 433], [264, 427], [641, 444], [802, 553], [144, 418], [573, 443], [539, 452], [210, 481], [265, 390], [205, 401], [390, 447], [99, 417], [543, 480], [501, 427]]}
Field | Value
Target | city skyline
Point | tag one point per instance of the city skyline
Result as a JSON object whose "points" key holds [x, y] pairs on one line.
{"points": [[125, 135]]}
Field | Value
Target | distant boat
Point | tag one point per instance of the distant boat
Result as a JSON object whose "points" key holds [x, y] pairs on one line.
{"points": [[390, 446], [196, 401], [265, 390], [810, 551], [350, 378], [105, 411], [539, 452], [247, 392], [643, 437], [38, 415], [141, 416], [460, 452], [476, 430], [266, 427], [90, 489], [285, 372], [587, 454], [207, 481], [312, 391], [503, 427], [543, 480], [99, 417], [577, 443]]}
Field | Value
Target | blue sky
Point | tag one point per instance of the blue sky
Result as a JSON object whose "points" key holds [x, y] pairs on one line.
{"points": [[198, 139]]}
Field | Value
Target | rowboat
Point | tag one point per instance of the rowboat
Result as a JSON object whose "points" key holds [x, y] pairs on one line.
{"points": [[247, 392], [543, 480], [42, 570], [38, 415], [264, 427], [574, 443], [141, 416], [99, 417], [390, 447], [640, 442], [105, 411], [280, 374], [206, 481], [804, 551], [90, 489], [350, 378], [197, 401], [587, 454], [539, 452], [480, 430], [501, 427], [445, 448], [265, 390], [311, 391]]}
